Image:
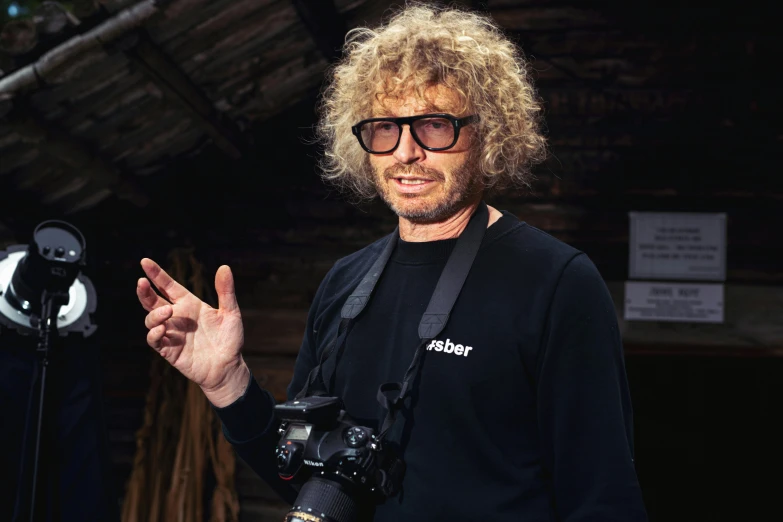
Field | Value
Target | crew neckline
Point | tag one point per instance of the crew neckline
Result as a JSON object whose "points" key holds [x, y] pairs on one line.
{"points": [[425, 252]]}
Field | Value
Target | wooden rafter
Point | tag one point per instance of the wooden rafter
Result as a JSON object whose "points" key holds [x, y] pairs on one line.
{"points": [[177, 86], [144, 54]]}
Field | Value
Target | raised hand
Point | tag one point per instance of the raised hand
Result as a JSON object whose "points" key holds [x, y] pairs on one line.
{"points": [[202, 342]]}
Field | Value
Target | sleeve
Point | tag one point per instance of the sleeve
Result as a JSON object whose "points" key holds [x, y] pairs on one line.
{"points": [[249, 425], [584, 405], [249, 422]]}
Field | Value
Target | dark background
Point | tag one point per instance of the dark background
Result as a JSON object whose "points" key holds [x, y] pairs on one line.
{"points": [[648, 108]]}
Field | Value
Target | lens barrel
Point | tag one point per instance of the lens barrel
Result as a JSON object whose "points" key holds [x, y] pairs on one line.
{"points": [[323, 500]]}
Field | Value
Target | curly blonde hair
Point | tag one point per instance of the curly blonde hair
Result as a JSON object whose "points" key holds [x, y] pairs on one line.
{"points": [[420, 47]]}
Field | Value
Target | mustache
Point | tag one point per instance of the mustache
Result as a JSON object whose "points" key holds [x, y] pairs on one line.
{"points": [[395, 171]]}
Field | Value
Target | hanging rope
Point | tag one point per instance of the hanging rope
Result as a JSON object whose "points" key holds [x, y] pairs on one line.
{"points": [[180, 440]]}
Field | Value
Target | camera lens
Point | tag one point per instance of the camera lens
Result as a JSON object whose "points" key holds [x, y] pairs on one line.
{"points": [[323, 500]]}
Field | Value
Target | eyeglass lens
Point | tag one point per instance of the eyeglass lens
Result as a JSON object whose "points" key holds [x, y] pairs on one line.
{"points": [[382, 136]]}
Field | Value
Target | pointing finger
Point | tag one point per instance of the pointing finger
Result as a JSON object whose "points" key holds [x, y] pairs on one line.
{"points": [[167, 286]]}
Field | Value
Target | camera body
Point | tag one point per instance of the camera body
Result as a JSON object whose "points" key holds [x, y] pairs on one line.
{"points": [[320, 443]]}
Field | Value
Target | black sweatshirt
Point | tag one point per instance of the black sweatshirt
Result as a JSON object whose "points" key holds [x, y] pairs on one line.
{"points": [[522, 411]]}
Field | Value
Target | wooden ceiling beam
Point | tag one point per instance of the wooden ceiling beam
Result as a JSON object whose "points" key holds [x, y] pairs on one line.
{"points": [[325, 25], [167, 75]]}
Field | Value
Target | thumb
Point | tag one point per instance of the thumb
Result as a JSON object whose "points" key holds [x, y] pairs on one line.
{"points": [[224, 286]]}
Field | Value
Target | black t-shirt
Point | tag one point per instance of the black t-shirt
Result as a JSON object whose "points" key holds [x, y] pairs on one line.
{"points": [[521, 411]]}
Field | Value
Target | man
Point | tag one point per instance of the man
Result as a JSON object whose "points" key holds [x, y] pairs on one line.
{"points": [[521, 410]]}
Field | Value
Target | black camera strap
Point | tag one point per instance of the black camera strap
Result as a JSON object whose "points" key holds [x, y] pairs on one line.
{"points": [[392, 394], [438, 311], [352, 307]]}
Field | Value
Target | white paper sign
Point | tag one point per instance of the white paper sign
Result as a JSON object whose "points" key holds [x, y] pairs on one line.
{"points": [[676, 302], [683, 246]]}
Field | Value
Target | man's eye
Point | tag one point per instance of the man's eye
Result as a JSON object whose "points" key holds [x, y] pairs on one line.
{"points": [[435, 125]]}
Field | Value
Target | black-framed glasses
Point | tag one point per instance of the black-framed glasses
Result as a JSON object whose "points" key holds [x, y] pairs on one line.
{"points": [[431, 131]]}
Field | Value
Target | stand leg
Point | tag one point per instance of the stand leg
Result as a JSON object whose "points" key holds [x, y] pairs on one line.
{"points": [[44, 364]]}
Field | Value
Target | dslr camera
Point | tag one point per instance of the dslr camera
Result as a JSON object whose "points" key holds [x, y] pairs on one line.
{"points": [[340, 465]]}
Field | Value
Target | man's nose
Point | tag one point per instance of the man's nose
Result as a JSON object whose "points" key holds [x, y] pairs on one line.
{"points": [[408, 151]]}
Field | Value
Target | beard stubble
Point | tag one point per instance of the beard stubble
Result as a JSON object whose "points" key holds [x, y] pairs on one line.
{"points": [[465, 185]]}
